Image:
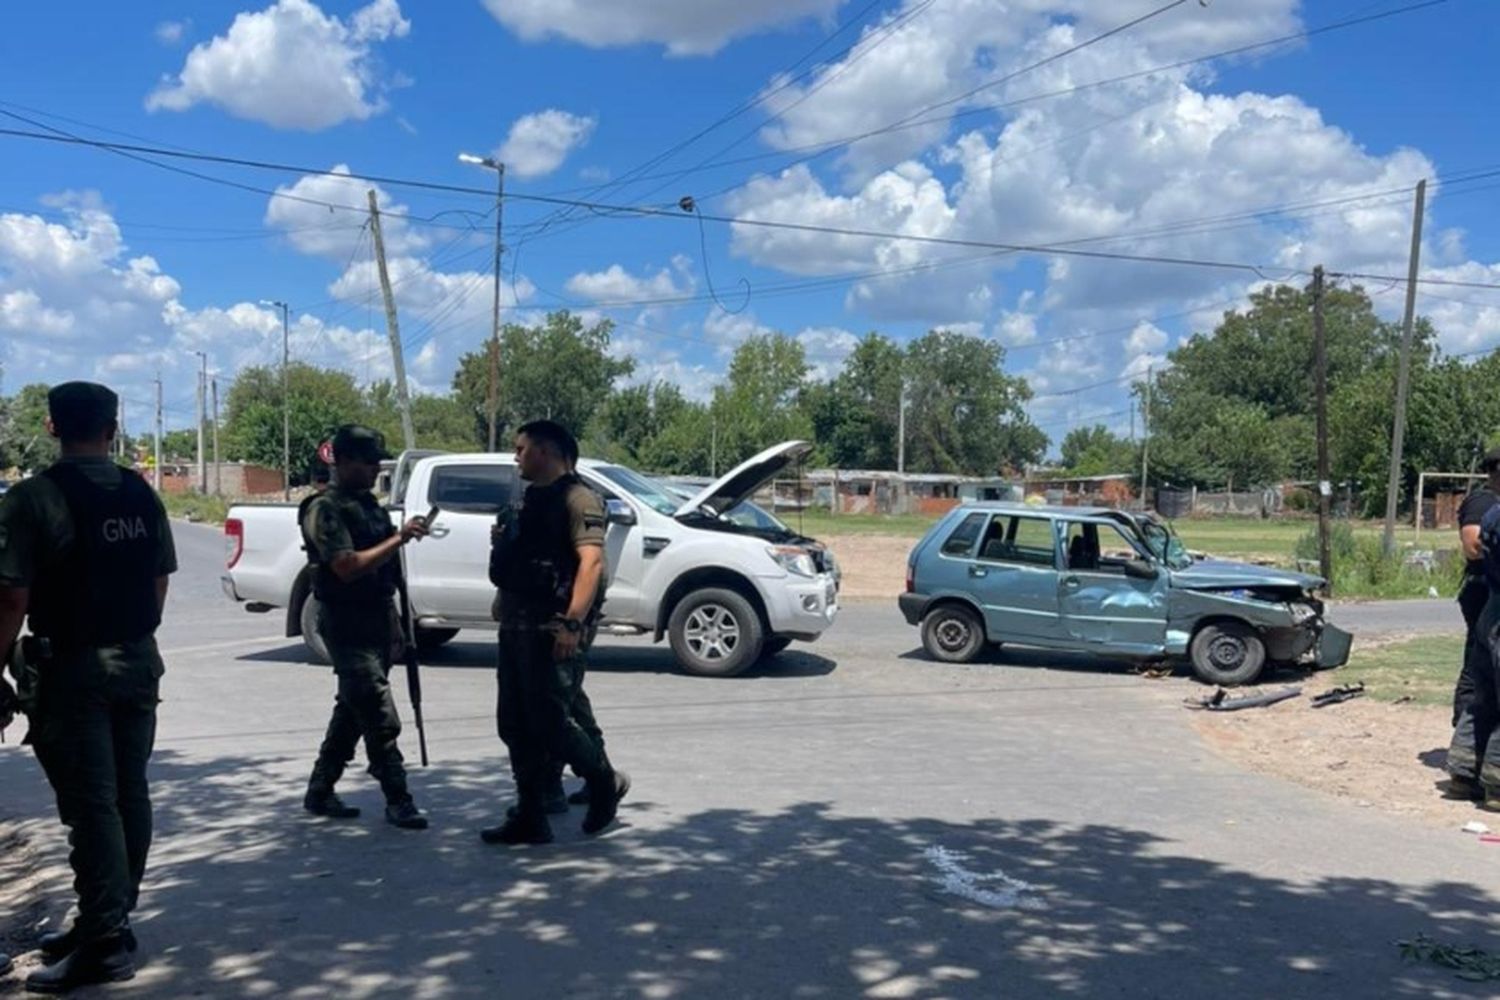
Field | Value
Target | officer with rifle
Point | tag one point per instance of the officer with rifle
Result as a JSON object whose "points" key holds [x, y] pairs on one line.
{"points": [[85, 553], [352, 548]]}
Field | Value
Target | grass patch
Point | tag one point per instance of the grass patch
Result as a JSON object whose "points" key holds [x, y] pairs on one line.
{"points": [[193, 507], [1424, 669], [820, 523]]}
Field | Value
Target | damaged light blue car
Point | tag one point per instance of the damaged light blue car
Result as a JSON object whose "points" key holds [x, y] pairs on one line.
{"points": [[1108, 582]]}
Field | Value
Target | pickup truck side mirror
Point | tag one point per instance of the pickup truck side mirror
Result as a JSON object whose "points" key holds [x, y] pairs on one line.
{"points": [[619, 512], [1141, 569]]}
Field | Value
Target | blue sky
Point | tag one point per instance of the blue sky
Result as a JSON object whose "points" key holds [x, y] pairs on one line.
{"points": [[115, 269]]}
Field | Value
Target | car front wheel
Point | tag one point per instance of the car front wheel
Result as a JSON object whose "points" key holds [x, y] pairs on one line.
{"points": [[1227, 654], [715, 633], [952, 633]]}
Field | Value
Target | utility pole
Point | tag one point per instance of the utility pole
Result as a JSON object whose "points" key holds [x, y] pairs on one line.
{"points": [[1403, 373], [901, 432], [157, 468], [120, 428], [392, 329], [1320, 382], [202, 388], [286, 396], [1146, 437], [494, 393], [218, 469]]}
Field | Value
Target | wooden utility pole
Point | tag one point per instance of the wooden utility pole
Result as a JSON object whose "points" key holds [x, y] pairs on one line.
{"points": [[202, 391], [1320, 384], [901, 432], [1146, 438], [393, 329], [156, 476], [494, 396], [1403, 373], [218, 469]]}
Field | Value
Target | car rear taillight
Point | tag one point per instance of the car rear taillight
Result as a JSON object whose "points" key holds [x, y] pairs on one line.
{"points": [[234, 541], [911, 578]]}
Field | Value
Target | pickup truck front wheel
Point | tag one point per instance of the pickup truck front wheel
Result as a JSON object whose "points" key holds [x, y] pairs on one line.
{"points": [[715, 633], [310, 634]]}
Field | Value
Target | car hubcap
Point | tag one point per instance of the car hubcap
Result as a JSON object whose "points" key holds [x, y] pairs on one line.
{"points": [[952, 634], [712, 633], [1227, 652]]}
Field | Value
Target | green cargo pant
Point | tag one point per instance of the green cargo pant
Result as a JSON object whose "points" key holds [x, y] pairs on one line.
{"points": [[363, 708], [1474, 753], [93, 732]]}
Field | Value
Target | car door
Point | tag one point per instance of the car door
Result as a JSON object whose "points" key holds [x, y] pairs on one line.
{"points": [[1098, 603], [449, 569], [624, 558], [1014, 577]]}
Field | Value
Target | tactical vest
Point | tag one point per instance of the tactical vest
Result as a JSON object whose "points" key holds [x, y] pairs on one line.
{"points": [[102, 589], [368, 525], [533, 562]]}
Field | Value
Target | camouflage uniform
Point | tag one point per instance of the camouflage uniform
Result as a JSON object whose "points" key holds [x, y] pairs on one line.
{"points": [[92, 703]]}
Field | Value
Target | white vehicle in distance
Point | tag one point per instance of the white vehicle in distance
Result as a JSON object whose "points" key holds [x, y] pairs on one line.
{"points": [[723, 593]]}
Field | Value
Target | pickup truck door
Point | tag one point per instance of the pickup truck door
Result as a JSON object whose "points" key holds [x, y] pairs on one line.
{"points": [[624, 557], [448, 571]]}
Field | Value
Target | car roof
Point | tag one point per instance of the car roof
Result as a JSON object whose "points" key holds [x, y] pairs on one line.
{"points": [[1005, 507]]}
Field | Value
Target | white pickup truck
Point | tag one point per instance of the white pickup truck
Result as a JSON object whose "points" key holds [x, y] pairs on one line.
{"points": [[724, 592]]}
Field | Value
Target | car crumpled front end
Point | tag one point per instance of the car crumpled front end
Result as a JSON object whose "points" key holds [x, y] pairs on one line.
{"points": [[1289, 618]]}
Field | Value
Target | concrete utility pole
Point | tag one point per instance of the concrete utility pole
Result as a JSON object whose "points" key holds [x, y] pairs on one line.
{"points": [[1403, 374], [1320, 383], [202, 389], [156, 471], [286, 396], [901, 432], [392, 329], [494, 393], [218, 469], [1146, 438]]}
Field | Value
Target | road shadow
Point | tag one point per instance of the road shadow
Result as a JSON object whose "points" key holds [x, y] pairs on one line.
{"points": [[1032, 658], [1436, 758], [247, 897]]}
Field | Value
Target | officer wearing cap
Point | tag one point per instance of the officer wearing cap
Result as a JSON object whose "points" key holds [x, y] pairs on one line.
{"points": [[352, 549], [85, 553], [1472, 597]]}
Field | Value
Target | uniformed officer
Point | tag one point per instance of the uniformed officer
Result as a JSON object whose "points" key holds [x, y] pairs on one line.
{"points": [[1472, 597], [548, 564], [352, 548], [1474, 754], [85, 553]]}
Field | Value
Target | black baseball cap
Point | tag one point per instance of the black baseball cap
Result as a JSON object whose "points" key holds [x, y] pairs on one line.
{"points": [[1491, 460], [82, 409], [359, 443]]}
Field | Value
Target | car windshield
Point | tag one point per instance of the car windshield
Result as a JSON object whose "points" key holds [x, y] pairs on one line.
{"points": [[1165, 544], [643, 489]]}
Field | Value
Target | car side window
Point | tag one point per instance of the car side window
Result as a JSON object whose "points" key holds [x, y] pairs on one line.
{"points": [[961, 541], [1098, 548], [473, 488], [1019, 539]]}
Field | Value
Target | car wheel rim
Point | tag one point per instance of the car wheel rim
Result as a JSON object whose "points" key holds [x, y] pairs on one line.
{"points": [[1227, 652], [712, 632], [952, 634]]}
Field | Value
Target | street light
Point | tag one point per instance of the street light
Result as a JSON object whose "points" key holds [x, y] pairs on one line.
{"points": [[489, 162], [286, 399]]}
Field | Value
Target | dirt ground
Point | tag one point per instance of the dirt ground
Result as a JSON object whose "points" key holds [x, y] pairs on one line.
{"points": [[874, 566]]}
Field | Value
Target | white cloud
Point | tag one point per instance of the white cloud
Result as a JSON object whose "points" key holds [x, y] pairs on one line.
{"points": [[685, 27], [313, 228], [171, 32], [539, 143], [617, 285], [290, 66]]}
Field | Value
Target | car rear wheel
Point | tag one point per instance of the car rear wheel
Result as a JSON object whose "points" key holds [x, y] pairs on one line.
{"points": [[715, 633], [1227, 654], [952, 633], [310, 634]]}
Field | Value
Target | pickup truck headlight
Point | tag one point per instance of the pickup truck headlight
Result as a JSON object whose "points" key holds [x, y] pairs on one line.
{"points": [[793, 559]]}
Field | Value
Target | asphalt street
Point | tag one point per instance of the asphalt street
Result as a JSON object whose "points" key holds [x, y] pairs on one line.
{"points": [[848, 820]]}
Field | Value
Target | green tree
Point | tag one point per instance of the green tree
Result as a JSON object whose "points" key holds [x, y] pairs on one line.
{"points": [[965, 413], [1098, 451], [560, 370], [855, 416], [24, 440], [631, 420], [760, 403], [320, 400], [439, 422]]}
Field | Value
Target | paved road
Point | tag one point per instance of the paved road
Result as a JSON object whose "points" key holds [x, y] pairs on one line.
{"points": [[854, 821]]}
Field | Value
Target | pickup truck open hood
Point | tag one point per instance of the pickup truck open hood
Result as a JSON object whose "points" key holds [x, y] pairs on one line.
{"points": [[1214, 574], [744, 479]]}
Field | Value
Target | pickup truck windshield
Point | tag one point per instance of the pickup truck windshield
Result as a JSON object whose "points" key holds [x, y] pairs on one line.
{"points": [[638, 486], [1165, 544]]}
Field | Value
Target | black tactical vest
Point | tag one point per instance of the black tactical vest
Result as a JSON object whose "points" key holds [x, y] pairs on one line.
{"points": [[534, 562], [368, 525], [102, 591]]}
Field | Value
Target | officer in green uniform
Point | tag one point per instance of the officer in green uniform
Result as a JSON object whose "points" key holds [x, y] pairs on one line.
{"points": [[548, 564], [85, 552], [352, 548]]}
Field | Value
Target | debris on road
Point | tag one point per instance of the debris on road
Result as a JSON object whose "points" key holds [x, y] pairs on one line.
{"points": [[1333, 696], [1474, 826], [1012, 894], [1472, 964], [1220, 701]]}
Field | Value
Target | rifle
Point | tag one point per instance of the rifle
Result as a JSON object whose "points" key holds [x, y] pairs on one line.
{"points": [[413, 675]]}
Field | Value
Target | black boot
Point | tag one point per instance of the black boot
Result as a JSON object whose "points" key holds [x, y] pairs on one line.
{"points": [[605, 795], [321, 802], [525, 827], [61, 944], [104, 961], [404, 813]]}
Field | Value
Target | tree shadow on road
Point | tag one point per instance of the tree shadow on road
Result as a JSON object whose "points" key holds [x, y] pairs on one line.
{"points": [[247, 897]]}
